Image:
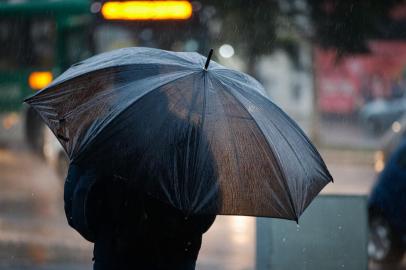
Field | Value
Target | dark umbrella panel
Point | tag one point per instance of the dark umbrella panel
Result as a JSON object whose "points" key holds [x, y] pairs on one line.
{"points": [[205, 141]]}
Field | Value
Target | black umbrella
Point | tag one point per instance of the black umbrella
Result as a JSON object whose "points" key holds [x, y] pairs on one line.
{"points": [[190, 132]]}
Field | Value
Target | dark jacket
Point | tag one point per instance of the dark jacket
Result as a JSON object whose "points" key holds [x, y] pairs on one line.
{"points": [[131, 230]]}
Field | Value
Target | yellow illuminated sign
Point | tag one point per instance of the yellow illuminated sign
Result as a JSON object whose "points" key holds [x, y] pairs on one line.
{"points": [[39, 79], [147, 10]]}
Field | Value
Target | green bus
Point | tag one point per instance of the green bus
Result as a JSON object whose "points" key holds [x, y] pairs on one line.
{"points": [[40, 39]]}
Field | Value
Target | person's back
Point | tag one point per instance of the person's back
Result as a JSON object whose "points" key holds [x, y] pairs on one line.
{"points": [[125, 197], [149, 234], [132, 230]]}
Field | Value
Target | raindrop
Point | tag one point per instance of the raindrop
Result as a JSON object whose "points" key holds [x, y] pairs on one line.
{"points": [[342, 265], [284, 239], [340, 227], [95, 7], [191, 45], [146, 34]]}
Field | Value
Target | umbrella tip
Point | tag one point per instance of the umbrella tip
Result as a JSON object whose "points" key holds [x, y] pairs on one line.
{"points": [[206, 66], [297, 221]]}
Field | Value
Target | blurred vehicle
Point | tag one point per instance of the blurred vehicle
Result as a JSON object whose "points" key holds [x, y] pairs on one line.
{"points": [[390, 141], [43, 38], [387, 210], [39, 40], [377, 116], [174, 25]]}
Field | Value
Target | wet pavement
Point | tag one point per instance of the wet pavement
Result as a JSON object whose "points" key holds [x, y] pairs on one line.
{"points": [[33, 230], [34, 233], [347, 133]]}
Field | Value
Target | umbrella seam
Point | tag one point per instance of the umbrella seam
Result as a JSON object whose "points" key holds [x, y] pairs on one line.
{"points": [[189, 132], [296, 127], [149, 147], [201, 133], [237, 160], [251, 118], [300, 133], [78, 76], [272, 150], [132, 103]]}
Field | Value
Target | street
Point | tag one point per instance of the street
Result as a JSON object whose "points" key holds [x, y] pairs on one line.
{"points": [[34, 233], [175, 94]]}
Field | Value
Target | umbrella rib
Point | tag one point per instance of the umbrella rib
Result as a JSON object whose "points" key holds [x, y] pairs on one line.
{"points": [[132, 103], [271, 149], [38, 95], [189, 134], [296, 128], [148, 148], [234, 145], [273, 193], [300, 133], [257, 87], [201, 204], [297, 157], [233, 141]]}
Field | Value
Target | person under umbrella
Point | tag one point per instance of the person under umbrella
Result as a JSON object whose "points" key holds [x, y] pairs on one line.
{"points": [[174, 138], [130, 229]]}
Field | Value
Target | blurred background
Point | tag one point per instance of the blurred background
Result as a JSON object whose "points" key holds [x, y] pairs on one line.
{"points": [[336, 67]]}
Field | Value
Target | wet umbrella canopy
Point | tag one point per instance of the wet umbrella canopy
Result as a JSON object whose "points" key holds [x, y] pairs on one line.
{"points": [[207, 141]]}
